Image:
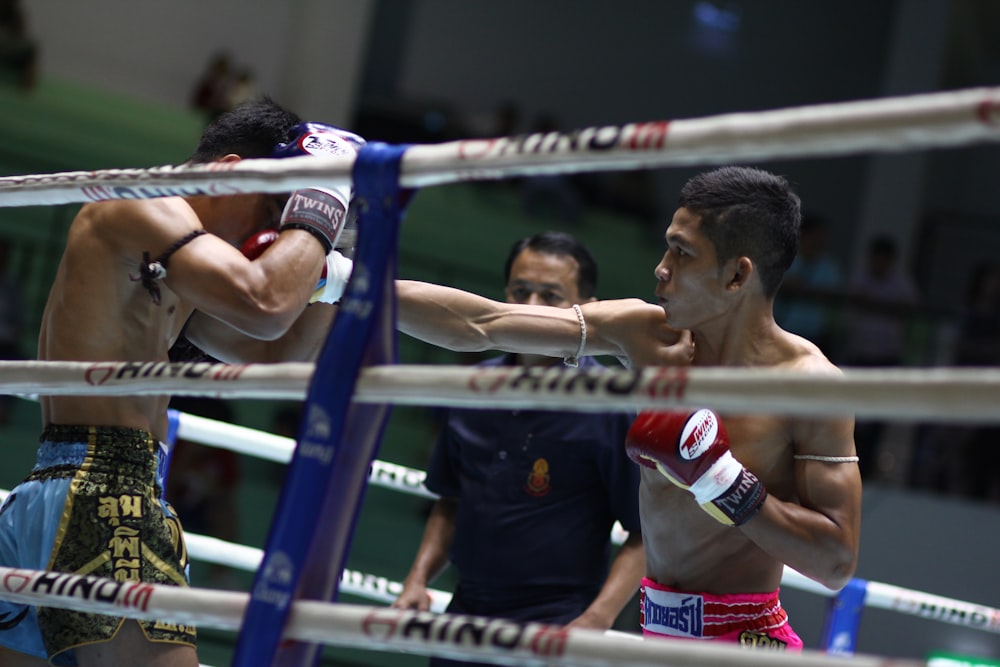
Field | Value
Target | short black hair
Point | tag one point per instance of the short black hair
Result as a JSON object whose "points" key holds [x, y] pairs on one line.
{"points": [[560, 244], [748, 212], [250, 130]]}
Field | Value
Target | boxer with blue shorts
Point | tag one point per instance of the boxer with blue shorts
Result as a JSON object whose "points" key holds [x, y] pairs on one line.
{"points": [[91, 506]]}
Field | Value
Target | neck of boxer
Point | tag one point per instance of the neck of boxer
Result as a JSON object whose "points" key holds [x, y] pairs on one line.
{"points": [[747, 335]]}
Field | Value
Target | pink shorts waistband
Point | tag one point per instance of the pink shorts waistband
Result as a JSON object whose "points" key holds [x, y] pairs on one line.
{"points": [[673, 613]]}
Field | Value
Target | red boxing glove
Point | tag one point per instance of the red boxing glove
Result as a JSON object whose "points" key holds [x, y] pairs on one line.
{"points": [[255, 246], [327, 291], [691, 449]]}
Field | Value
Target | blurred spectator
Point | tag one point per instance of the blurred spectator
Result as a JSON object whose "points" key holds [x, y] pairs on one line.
{"points": [[634, 193], [243, 88], [285, 422], [12, 321], [202, 482], [962, 459], [18, 51], [978, 340], [804, 304], [508, 119], [555, 195], [211, 92], [882, 299]]}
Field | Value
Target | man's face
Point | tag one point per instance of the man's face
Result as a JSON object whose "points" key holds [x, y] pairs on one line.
{"points": [[690, 286], [545, 280]]}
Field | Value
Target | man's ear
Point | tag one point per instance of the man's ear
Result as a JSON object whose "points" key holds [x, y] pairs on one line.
{"points": [[230, 157], [740, 273], [590, 300]]}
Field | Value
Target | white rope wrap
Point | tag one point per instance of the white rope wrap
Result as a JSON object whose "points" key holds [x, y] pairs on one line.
{"points": [[423, 633], [826, 459], [932, 120], [925, 394]]}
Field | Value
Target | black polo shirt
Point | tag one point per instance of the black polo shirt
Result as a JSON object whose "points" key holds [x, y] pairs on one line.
{"points": [[538, 493]]}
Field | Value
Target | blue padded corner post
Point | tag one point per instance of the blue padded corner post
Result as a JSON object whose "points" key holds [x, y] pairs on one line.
{"points": [[843, 616], [311, 531]]}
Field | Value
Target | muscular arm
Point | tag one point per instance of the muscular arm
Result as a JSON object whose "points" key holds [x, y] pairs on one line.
{"points": [[819, 535], [431, 558], [260, 298], [626, 328], [302, 342], [622, 583]]}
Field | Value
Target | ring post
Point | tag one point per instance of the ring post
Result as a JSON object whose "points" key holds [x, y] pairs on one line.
{"points": [[840, 632], [337, 440]]}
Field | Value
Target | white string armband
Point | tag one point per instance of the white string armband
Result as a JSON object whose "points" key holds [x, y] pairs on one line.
{"points": [[574, 361], [826, 459]]}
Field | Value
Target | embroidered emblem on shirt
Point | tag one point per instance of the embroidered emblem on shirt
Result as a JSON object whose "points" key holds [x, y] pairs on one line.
{"points": [[538, 478]]}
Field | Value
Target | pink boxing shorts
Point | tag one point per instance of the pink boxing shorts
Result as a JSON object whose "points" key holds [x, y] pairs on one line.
{"points": [[752, 620]]}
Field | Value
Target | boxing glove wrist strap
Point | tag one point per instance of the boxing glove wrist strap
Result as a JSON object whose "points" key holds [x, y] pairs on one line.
{"points": [[319, 212], [574, 361], [729, 492]]}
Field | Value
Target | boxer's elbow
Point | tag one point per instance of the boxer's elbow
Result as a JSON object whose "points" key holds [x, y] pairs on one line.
{"points": [[266, 317], [840, 569]]}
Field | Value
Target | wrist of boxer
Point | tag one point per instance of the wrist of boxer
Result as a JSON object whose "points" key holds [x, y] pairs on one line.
{"points": [[333, 282], [734, 497], [321, 212]]}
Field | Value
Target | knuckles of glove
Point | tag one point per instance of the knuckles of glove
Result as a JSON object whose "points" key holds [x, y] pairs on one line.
{"points": [[685, 443], [691, 450], [255, 246], [318, 139]]}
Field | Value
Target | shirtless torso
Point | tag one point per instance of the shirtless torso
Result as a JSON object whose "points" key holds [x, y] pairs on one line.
{"points": [[98, 310], [688, 550]]}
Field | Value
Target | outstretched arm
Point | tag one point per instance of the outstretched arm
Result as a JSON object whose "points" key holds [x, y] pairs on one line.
{"points": [[457, 320]]}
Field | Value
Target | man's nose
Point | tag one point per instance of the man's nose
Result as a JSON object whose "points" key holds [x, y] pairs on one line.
{"points": [[534, 299], [662, 272]]}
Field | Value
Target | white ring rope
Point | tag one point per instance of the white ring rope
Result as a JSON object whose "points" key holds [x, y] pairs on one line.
{"points": [[910, 122], [891, 124], [381, 589], [407, 480], [410, 481], [272, 447], [423, 633], [924, 394]]}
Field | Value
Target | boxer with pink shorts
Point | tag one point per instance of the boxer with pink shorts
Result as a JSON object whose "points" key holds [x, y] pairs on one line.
{"points": [[753, 620]]}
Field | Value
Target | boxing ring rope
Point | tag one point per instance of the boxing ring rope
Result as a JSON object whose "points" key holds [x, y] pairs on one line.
{"points": [[269, 446], [410, 481], [912, 122], [423, 633], [932, 120], [922, 394]]}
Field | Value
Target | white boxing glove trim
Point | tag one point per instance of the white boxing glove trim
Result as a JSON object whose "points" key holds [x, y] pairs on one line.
{"points": [[717, 479], [338, 272]]}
